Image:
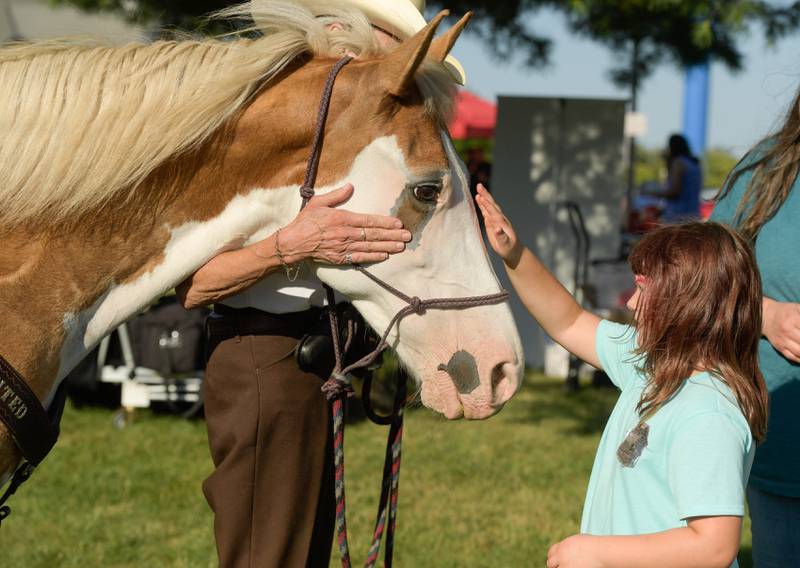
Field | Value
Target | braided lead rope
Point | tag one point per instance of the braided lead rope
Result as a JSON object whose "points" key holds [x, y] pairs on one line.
{"points": [[390, 483], [338, 463], [338, 384], [337, 389], [397, 444], [307, 190]]}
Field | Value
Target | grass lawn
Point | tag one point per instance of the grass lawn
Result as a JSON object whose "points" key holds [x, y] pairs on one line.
{"points": [[489, 494]]}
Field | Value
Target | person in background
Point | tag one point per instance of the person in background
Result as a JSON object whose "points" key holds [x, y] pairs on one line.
{"points": [[761, 198], [667, 488], [681, 191]]}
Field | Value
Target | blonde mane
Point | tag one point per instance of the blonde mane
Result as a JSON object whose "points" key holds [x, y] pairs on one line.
{"points": [[82, 121]]}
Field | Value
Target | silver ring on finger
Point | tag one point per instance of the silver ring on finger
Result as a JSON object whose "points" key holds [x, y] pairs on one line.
{"points": [[348, 258], [363, 234]]}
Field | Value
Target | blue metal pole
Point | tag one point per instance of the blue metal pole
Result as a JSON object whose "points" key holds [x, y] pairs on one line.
{"points": [[695, 107]]}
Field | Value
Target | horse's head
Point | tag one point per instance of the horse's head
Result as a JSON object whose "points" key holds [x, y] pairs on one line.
{"points": [[385, 137]]}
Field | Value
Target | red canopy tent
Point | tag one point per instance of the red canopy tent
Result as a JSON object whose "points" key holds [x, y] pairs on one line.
{"points": [[475, 117]]}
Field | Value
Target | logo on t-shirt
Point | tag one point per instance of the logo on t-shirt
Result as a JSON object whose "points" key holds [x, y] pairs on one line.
{"points": [[633, 445]]}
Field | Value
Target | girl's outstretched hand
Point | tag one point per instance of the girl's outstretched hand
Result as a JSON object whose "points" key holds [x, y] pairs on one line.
{"points": [[501, 234]]}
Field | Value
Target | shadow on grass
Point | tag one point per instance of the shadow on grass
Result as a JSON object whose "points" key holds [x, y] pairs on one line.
{"points": [[584, 412]]}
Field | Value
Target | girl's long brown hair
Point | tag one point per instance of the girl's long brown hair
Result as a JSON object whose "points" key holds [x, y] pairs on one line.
{"points": [[774, 163], [700, 308]]}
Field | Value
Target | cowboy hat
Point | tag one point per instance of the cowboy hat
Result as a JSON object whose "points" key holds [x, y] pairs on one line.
{"points": [[402, 19]]}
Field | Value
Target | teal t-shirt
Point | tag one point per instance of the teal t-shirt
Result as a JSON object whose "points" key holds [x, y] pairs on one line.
{"points": [[696, 461], [776, 468]]}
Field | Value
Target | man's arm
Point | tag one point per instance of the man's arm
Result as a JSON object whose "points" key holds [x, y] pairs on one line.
{"points": [[320, 233], [228, 274]]}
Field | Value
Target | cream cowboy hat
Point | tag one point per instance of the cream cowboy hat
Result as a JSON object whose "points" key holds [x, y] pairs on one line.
{"points": [[402, 19]]}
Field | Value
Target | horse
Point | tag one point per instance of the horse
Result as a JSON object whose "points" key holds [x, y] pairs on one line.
{"points": [[126, 168]]}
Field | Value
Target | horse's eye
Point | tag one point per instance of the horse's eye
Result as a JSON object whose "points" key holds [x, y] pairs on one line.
{"points": [[427, 193]]}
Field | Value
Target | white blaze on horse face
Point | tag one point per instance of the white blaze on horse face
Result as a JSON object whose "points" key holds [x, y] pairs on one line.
{"points": [[468, 361]]}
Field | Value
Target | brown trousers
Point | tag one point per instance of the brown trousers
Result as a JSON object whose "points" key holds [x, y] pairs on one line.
{"points": [[270, 438]]}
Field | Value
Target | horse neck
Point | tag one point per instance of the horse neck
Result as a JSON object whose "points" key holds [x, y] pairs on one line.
{"points": [[55, 282], [64, 290]]}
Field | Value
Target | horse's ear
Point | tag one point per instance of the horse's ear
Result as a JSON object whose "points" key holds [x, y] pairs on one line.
{"points": [[398, 69], [441, 46]]}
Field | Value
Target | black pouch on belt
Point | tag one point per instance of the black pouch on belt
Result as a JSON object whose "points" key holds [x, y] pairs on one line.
{"points": [[314, 352]]}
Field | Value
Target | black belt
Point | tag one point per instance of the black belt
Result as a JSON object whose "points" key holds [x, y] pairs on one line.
{"points": [[251, 321]]}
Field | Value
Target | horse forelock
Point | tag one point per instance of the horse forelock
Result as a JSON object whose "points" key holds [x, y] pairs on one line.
{"points": [[85, 124]]}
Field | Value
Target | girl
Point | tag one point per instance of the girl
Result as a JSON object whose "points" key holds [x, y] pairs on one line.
{"points": [[667, 486]]}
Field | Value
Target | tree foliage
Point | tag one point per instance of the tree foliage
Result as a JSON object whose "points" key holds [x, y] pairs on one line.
{"points": [[507, 27], [717, 164], [649, 166], [643, 33], [648, 32], [188, 15], [502, 25]]}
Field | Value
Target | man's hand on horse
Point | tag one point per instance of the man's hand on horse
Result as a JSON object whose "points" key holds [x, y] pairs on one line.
{"points": [[322, 233]]}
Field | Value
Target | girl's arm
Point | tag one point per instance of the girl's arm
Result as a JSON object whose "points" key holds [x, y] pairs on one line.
{"points": [[708, 542], [542, 294]]}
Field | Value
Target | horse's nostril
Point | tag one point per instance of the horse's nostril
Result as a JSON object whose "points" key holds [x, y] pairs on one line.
{"points": [[463, 369], [497, 376], [503, 382]]}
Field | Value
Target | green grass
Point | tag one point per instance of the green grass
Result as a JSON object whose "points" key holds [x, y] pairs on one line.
{"points": [[489, 494]]}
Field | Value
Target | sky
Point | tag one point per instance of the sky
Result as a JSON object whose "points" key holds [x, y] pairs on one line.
{"points": [[743, 106]]}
